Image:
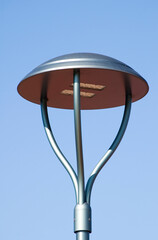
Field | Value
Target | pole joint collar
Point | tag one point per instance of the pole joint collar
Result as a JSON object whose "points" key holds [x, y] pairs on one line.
{"points": [[82, 218]]}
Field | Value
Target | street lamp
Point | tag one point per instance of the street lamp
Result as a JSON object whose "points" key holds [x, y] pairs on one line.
{"points": [[83, 81]]}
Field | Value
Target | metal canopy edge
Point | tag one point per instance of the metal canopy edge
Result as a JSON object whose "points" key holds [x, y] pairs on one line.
{"points": [[56, 76]]}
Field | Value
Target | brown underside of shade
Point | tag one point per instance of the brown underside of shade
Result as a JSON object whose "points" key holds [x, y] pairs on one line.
{"points": [[112, 86]]}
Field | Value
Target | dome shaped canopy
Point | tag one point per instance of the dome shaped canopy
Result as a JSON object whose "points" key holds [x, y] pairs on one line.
{"points": [[103, 82]]}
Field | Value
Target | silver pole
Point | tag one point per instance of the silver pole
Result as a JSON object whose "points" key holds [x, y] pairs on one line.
{"points": [[82, 213], [78, 137], [82, 236]]}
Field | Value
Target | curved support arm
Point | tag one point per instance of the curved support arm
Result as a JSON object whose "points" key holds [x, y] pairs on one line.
{"points": [[78, 137], [112, 148], [55, 147]]}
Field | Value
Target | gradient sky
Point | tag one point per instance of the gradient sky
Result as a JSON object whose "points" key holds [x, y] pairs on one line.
{"points": [[37, 196]]}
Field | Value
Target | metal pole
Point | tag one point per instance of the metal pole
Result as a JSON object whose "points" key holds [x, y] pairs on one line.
{"points": [[82, 236], [82, 213], [78, 137]]}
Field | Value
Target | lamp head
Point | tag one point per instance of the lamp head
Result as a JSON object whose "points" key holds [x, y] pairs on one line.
{"points": [[103, 82]]}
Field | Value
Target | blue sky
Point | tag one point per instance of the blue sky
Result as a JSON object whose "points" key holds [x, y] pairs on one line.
{"points": [[37, 196]]}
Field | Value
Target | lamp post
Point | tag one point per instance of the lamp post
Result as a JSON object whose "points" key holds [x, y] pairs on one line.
{"points": [[83, 81]]}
